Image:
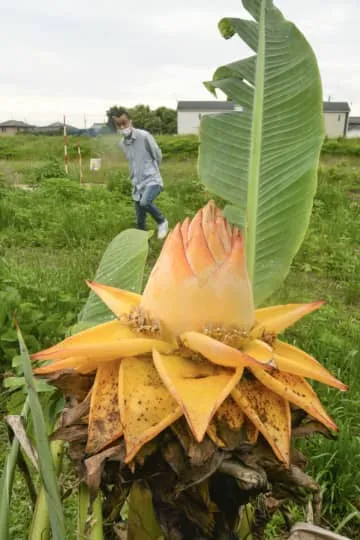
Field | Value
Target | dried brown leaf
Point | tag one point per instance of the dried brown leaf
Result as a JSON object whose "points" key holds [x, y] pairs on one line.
{"points": [[196, 474], [75, 412], [16, 423], [309, 428], [175, 457], [248, 479], [77, 432], [71, 383], [95, 465]]}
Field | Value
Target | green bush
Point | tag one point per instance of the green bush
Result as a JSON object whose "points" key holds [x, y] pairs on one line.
{"points": [[342, 146], [179, 146], [52, 169]]}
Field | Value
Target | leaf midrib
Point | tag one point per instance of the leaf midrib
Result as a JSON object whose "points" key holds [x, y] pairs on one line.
{"points": [[255, 148]]}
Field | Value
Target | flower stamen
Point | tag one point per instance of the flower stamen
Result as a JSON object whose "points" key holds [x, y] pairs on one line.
{"points": [[139, 321], [268, 337], [234, 337]]}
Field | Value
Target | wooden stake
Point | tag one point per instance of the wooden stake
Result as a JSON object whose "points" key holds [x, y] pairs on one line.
{"points": [[80, 164]]}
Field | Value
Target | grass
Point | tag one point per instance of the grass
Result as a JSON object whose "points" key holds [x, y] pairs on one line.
{"points": [[51, 240]]}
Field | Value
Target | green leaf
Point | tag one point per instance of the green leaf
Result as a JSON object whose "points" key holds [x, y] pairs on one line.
{"points": [[17, 362], [122, 266], [14, 382], [19, 382], [47, 469], [263, 159], [142, 520], [9, 336]]}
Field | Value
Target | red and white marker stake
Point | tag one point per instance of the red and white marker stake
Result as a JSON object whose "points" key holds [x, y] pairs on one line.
{"points": [[66, 165]]}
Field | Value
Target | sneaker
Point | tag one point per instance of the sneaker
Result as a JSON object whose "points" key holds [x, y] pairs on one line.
{"points": [[163, 229]]}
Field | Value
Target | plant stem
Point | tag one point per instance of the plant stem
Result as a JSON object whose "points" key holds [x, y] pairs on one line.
{"points": [[23, 467], [7, 479], [89, 529], [97, 527], [40, 524], [256, 147]]}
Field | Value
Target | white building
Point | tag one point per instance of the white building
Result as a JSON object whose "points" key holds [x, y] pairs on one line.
{"points": [[189, 114], [336, 115]]}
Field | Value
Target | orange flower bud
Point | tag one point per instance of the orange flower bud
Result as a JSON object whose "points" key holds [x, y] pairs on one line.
{"points": [[200, 278]]}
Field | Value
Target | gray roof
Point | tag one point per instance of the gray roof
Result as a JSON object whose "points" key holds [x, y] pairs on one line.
{"points": [[329, 106], [59, 125], [354, 121], [15, 123], [336, 106], [205, 106]]}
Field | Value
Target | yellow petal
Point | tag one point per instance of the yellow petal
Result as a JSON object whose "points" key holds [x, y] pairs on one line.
{"points": [[293, 360], [260, 351], [224, 355], [296, 390], [199, 388], [120, 302], [230, 414], [104, 417], [227, 424], [69, 363], [109, 331], [276, 319], [269, 412], [106, 351], [146, 407]]}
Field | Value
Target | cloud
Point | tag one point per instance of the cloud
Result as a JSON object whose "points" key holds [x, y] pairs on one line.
{"points": [[81, 57]]}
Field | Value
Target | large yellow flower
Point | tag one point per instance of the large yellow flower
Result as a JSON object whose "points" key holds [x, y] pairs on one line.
{"points": [[193, 345]]}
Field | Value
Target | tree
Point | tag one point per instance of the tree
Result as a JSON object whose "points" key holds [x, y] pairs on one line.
{"points": [[159, 121], [168, 120]]}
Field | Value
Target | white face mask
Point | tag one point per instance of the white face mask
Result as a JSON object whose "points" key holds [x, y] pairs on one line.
{"points": [[126, 131]]}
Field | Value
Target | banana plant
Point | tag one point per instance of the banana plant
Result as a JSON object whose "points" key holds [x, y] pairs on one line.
{"points": [[262, 158]]}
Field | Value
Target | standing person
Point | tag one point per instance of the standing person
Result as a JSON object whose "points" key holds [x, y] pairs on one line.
{"points": [[144, 157]]}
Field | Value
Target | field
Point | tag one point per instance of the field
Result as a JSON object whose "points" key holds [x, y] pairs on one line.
{"points": [[53, 232]]}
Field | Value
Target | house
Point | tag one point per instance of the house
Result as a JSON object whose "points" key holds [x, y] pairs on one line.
{"points": [[12, 127], [336, 114], [189, 114], [97, 127], [56, 128], [354, 127]]}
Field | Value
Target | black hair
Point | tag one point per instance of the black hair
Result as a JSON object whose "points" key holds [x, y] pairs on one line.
{"points": [[122, 112]]}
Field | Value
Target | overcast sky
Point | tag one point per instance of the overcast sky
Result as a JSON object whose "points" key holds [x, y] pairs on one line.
{"points": [[82, 56]]}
